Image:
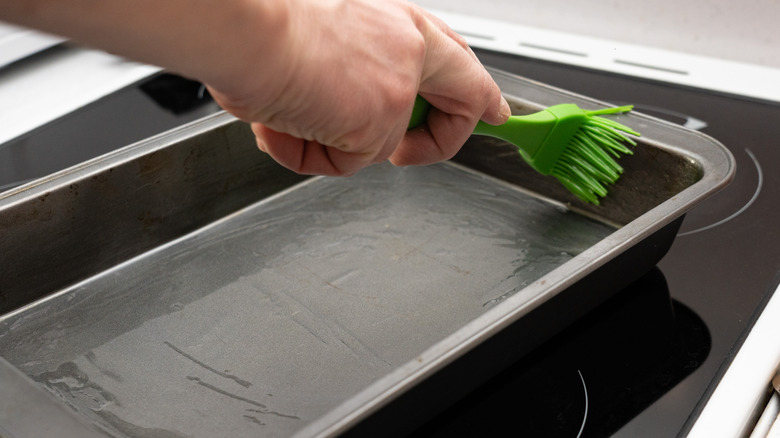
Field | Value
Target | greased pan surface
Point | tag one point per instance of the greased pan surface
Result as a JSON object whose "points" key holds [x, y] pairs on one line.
{"points": [[285, 309]]}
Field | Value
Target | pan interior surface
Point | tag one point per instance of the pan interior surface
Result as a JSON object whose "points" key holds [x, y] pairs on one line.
{"points": [[267, 319]]}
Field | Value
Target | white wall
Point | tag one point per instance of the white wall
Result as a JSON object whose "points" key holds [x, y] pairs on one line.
{"points": [[745, 31]]}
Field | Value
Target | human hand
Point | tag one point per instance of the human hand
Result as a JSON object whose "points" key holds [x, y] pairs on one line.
{"points": [[328, 85], [338, 94]]}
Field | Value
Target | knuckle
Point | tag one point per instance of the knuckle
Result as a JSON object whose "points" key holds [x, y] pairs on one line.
{"points": [[401, 98]]}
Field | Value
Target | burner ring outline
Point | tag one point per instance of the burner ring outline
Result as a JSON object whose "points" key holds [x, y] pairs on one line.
{"points": [[585, 416], [747, 205]]}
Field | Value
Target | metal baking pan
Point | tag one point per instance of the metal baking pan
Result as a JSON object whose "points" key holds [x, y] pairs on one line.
{"points": [[189, 286]]}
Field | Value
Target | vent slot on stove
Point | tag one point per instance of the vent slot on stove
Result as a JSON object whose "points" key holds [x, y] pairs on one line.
{"points": [[768, 424]]}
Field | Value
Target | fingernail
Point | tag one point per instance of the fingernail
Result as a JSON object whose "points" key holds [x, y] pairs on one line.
{"points": [[504, 110]]}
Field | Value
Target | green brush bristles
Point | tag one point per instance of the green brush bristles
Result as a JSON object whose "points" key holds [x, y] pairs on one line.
{"points": [[588, 163], [575, 146]]}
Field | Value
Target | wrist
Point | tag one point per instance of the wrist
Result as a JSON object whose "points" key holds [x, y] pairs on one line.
{"points": [[258, 59], [246, 42]]}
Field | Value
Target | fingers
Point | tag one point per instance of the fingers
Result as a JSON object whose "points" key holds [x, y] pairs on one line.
{"points": [[298, 155], [312, 158], [461, 92], [497, 111], [438, 140], [454, 81]]}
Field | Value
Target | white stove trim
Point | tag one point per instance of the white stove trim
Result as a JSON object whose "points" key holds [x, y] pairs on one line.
{"points": [[601, 54], [18, 42], [740, 395], [49, 85]]}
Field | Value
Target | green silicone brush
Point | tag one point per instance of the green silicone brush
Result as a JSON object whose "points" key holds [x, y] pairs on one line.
{"points": [[574, 145]]}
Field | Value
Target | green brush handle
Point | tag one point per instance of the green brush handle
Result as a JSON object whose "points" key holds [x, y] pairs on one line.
{"points": [[527, 132], [419, 112]]}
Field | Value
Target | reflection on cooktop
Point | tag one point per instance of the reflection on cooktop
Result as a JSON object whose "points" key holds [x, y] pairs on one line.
{"points": [[734, 200], [594, 377], [155, 105], [669, 115]]}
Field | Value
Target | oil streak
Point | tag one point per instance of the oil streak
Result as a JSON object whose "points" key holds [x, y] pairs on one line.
{"points": [[254, 419], [263, 408], [236, 379], [75, 388], [92, 359]]}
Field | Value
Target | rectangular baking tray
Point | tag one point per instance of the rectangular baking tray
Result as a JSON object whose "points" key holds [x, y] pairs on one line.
{"points": [[189, 286]]}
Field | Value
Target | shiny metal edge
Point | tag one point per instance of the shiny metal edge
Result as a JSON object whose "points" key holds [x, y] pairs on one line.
{"points": [[114, 158]]}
